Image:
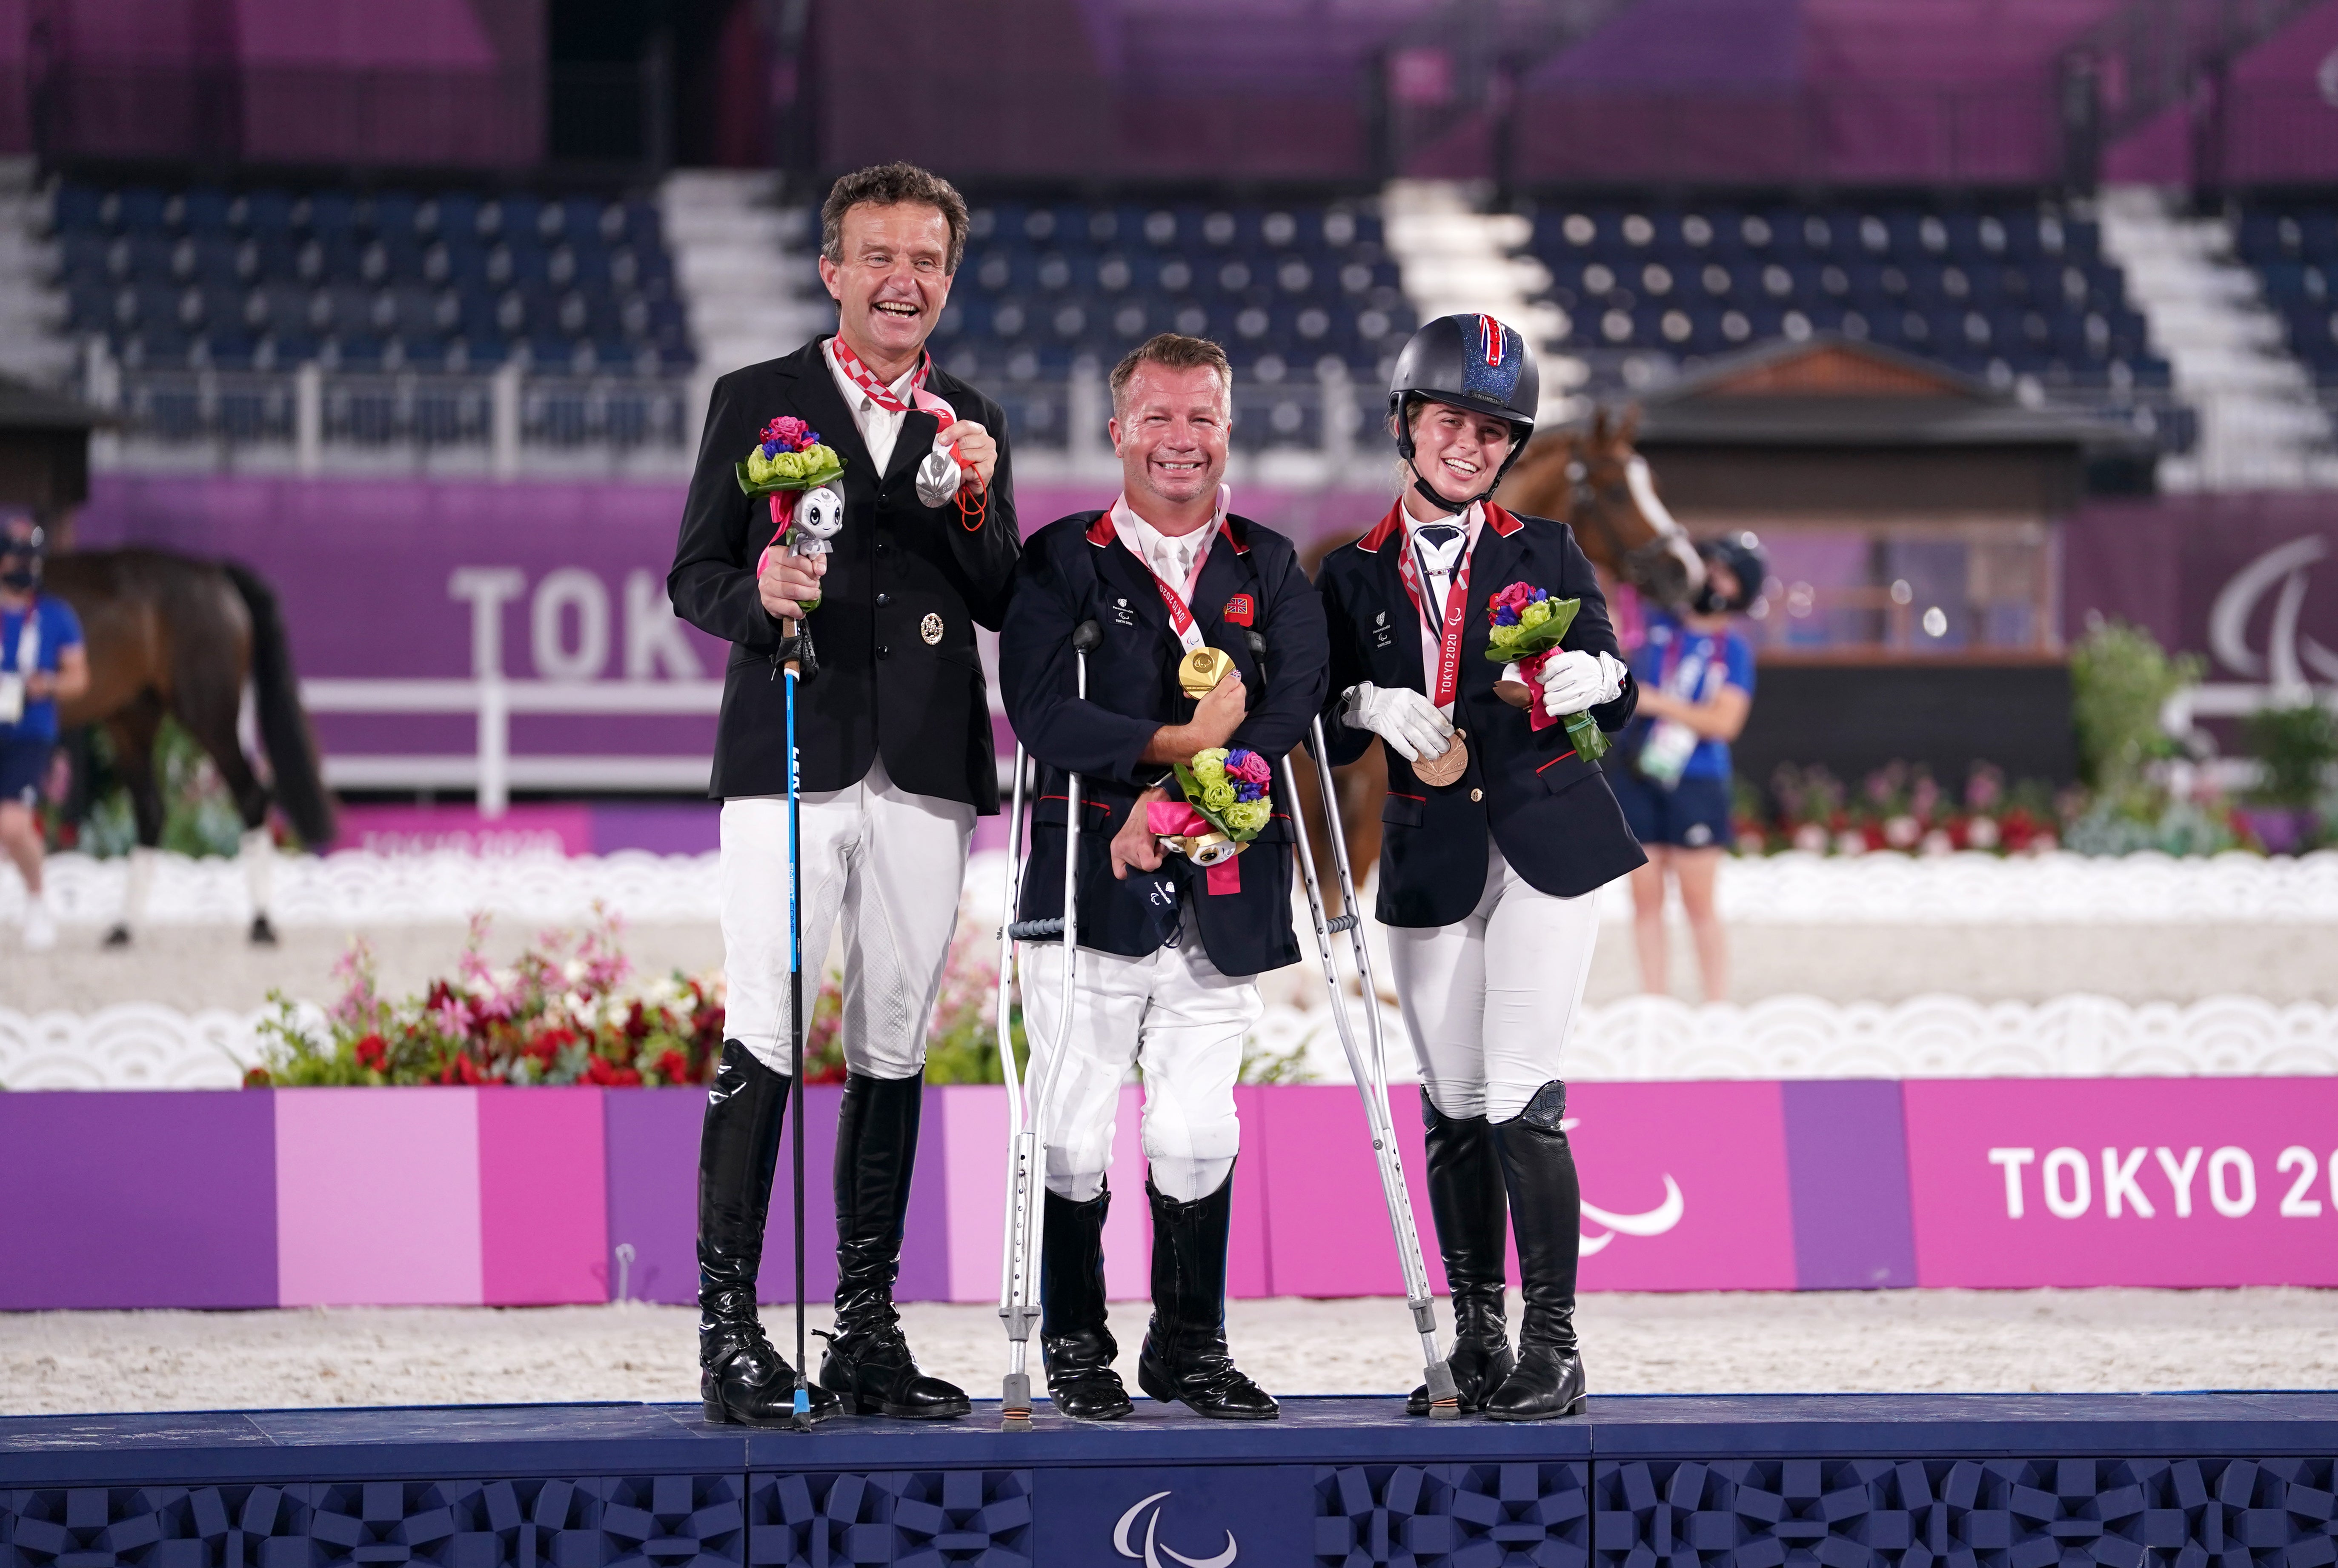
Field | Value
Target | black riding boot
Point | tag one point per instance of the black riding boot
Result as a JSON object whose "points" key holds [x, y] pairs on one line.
{"points": [[868, 1360], [1464, 1196], [1546, 1211], [741, 1378], [1184, 1355], [1077, 1347]]}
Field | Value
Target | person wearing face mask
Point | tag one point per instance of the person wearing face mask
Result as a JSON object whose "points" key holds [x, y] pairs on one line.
{"points": [[42, 663], [1495, 837], [1169, 953], [1673, 771], [894, 737]]}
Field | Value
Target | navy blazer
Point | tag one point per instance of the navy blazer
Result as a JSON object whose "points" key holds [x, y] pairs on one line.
{"points": [[883, 687], [1550, 810], [1076, 569]]}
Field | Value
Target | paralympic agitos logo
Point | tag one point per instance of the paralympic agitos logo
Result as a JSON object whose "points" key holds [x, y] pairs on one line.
{"points": [[1654, 1221], [1149, 1509]]}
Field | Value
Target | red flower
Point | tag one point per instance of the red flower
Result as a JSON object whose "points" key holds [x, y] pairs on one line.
{"points": [[256, 1078], [601, 1071], [673, 1067], [373, 1054], [549, 1044], [1514, 598]]}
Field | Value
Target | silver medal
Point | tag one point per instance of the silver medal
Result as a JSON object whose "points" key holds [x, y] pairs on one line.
{"points": [[939, 476]]}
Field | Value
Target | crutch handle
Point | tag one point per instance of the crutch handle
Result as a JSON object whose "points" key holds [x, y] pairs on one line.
{"points": [[1340, 923], [1030, 930]]}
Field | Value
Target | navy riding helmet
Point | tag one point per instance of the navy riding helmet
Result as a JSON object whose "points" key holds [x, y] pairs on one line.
{"points": [[1471, 362]]}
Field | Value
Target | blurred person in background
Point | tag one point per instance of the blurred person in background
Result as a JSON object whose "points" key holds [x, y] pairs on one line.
{"points": [[894, 738], [1672, 774], [42, 663]]}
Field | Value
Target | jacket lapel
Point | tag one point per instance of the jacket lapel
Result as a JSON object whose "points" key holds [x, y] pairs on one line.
{"points": [[1397, 605], [919, 430], [1226, 571], [1130, 579], [819, 404], [1498, 561]]}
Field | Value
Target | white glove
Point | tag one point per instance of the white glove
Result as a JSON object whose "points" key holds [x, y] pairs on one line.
{"points": [[1575, 680], [1409, 723]]}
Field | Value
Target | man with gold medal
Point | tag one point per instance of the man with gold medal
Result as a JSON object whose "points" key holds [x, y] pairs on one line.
{"points": [[1209, 661], [1498, 829]]}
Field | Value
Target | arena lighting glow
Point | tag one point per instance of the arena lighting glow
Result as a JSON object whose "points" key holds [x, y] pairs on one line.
{"points": [[1936, 621]]}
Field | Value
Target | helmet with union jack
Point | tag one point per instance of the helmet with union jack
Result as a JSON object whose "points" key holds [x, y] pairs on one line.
{"points": [[1472, 361]]}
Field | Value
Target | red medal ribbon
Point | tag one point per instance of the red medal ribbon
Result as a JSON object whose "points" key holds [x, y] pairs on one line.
{"points": [[865, 379], [1455, 615], [1180, 618]]}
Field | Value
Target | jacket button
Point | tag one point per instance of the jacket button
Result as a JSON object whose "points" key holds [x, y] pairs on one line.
{"points": [[883, 600], [884, 651], [1474, 794]]}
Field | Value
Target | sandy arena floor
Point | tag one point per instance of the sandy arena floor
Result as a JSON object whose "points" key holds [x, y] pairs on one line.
{"points": [[1921, 1341]]}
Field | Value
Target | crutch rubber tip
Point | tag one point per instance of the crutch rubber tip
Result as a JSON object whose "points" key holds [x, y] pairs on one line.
{"points": [[1015, 1421], [1445, 1410]]}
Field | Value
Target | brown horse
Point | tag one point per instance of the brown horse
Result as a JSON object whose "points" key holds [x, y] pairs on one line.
{"points": [[1590, 479], [170, 635]]}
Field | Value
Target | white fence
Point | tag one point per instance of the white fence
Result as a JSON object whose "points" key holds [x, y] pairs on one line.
{"points": [[143, 1045], [490, 768]]}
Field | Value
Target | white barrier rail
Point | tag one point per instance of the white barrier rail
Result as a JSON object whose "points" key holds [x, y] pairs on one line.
{"points": [[143, 1045], [1793, 889], [491, 770]]}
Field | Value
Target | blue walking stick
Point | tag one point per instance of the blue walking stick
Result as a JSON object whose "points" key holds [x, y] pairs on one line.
{"points": [[800, 662]]}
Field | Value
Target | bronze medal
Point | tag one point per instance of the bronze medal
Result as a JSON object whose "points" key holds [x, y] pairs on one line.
{"points": [[1199, 673], [1446, 767]]}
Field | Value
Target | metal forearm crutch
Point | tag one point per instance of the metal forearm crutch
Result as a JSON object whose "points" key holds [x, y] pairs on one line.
{"points": [[1019, 1270], [1370, 1070]]}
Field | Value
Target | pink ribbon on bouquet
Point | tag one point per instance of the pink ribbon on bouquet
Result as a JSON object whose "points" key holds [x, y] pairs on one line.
{"points": [[1176, 818], [783, 512], [1530, 672]]}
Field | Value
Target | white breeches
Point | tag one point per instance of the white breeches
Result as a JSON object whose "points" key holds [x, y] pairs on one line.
{"points": [[1181, 1022], [891, 863], [1488, 1000]]}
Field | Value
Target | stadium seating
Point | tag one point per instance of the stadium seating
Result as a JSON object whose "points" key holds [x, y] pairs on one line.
{"points": [[1287, 288], [210, 277], [2294, 246], [2003, 291]]}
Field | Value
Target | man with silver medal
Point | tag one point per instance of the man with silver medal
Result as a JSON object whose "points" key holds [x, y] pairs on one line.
{"points": [[868, 585], [1496, 833]]}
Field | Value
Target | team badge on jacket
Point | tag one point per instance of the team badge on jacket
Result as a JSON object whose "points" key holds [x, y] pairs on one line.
{"points": [[1239, 611], [930, 629]]}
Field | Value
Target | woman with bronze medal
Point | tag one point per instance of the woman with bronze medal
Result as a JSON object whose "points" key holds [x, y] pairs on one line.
{"points": [[1476, 645]]}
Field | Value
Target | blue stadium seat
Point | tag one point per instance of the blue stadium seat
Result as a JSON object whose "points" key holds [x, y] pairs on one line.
{"points": [[391, 278]]}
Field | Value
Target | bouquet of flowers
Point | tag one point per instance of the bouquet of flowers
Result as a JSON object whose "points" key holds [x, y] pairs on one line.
{"points": [[788, 459], [1528, 626], [1228, 786], [787, 464]]}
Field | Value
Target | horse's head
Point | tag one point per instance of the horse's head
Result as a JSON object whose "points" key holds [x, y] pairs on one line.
{"points": [[1617, 507]]}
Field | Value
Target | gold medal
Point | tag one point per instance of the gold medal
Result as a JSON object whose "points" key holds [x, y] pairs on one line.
{"points": [[1200, 672], [1446, 767]]}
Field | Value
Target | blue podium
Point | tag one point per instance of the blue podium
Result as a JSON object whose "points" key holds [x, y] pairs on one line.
{"points": [[2210, 1480]]}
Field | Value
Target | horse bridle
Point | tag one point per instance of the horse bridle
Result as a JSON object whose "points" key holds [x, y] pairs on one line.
{"points": [[1591, 502]]}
